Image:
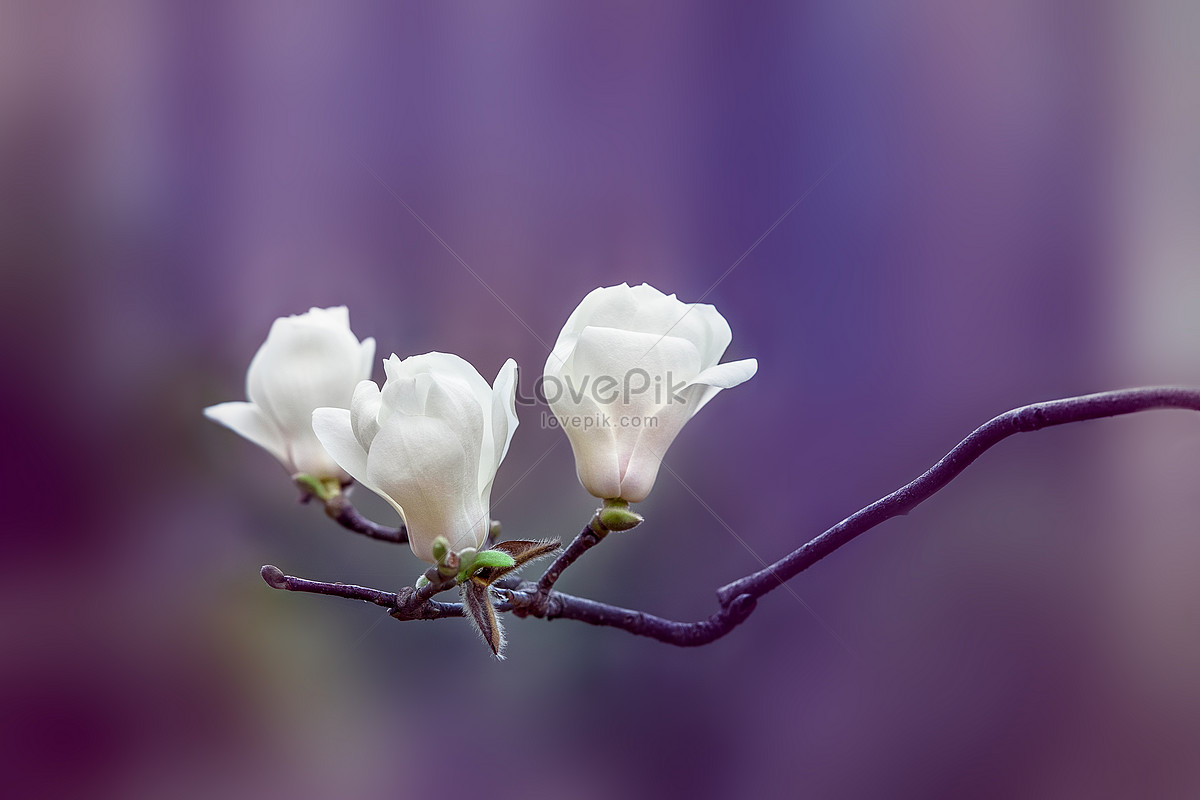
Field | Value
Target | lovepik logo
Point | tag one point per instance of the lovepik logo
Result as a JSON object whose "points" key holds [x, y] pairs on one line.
{"points": [[606, 390]]}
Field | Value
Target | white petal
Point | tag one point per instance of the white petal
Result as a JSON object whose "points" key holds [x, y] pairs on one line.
{"points": [[644, 368], [248, 420], [332, 428], [455, 403], [336, 318], [420, 465], [445, 386], [653, 441], [303, 366], [309, 456], [443, 365], [596, 303], [390, 366], [590, 432], [704, 327], [723, 376], [364, 412], [593, 304], [404, 394], [367, 353], [644, 309], [255, 374], [503, 424]]}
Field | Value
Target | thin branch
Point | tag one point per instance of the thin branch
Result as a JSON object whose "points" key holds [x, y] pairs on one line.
{"points": [[405, 604], [738, 599], [343, 513], [1021, 420], [274, 577], [683, 634], [409, 604], [584, 541], [436, 583]]}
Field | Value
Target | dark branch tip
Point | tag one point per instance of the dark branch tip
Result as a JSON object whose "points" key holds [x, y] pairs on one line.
{"points": [[274, 576]]}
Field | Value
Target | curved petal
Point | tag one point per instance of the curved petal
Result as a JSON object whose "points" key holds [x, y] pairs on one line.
{"points": [[704, 326], [630, 376], [653, 440], [723, 376], [596, 302], [310, 456], [364, 412], [249, 421], [303, 366], [332, 428], [367, 354], [590, 432], [453, 402], [335, 318], [446, 386], [406, 394], [503, 424], [644, 309], [419, 464], [391, 365], [443, 365]]}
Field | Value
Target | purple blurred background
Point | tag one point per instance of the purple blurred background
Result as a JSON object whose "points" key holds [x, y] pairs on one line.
{"points": [[998, 205]]}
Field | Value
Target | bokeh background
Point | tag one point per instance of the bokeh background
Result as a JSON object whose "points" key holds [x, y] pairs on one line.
{"points": [[990, 204]]}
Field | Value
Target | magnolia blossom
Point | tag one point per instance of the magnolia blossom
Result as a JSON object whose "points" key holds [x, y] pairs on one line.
{"points": [[629, 369], [429, 443], [308, 361]]}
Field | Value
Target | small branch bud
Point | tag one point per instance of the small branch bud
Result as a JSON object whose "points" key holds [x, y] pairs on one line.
{"points": [[441, 548], [617, 516], [323, 489], [274, 576]]}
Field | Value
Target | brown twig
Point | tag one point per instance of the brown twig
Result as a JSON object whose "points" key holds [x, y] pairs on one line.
{"points": [[343, 513], [738, 599]]}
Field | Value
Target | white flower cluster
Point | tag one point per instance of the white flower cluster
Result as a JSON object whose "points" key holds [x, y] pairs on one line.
{"points": [[431, 439]]}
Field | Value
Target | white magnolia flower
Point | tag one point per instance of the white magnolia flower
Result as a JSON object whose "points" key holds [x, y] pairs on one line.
{"points": [[308, 361], [429, 443], [629, 369]]}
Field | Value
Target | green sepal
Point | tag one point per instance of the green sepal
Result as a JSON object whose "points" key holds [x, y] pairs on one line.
{"points": [[617, 516], [485, 559], [495, 559], [521, 551], [322, 489], [421, 583]]}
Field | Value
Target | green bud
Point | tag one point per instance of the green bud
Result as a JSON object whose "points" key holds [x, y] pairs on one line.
{"points": [[441, 548], [617, 516], [324, 490], [422, 582]]}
